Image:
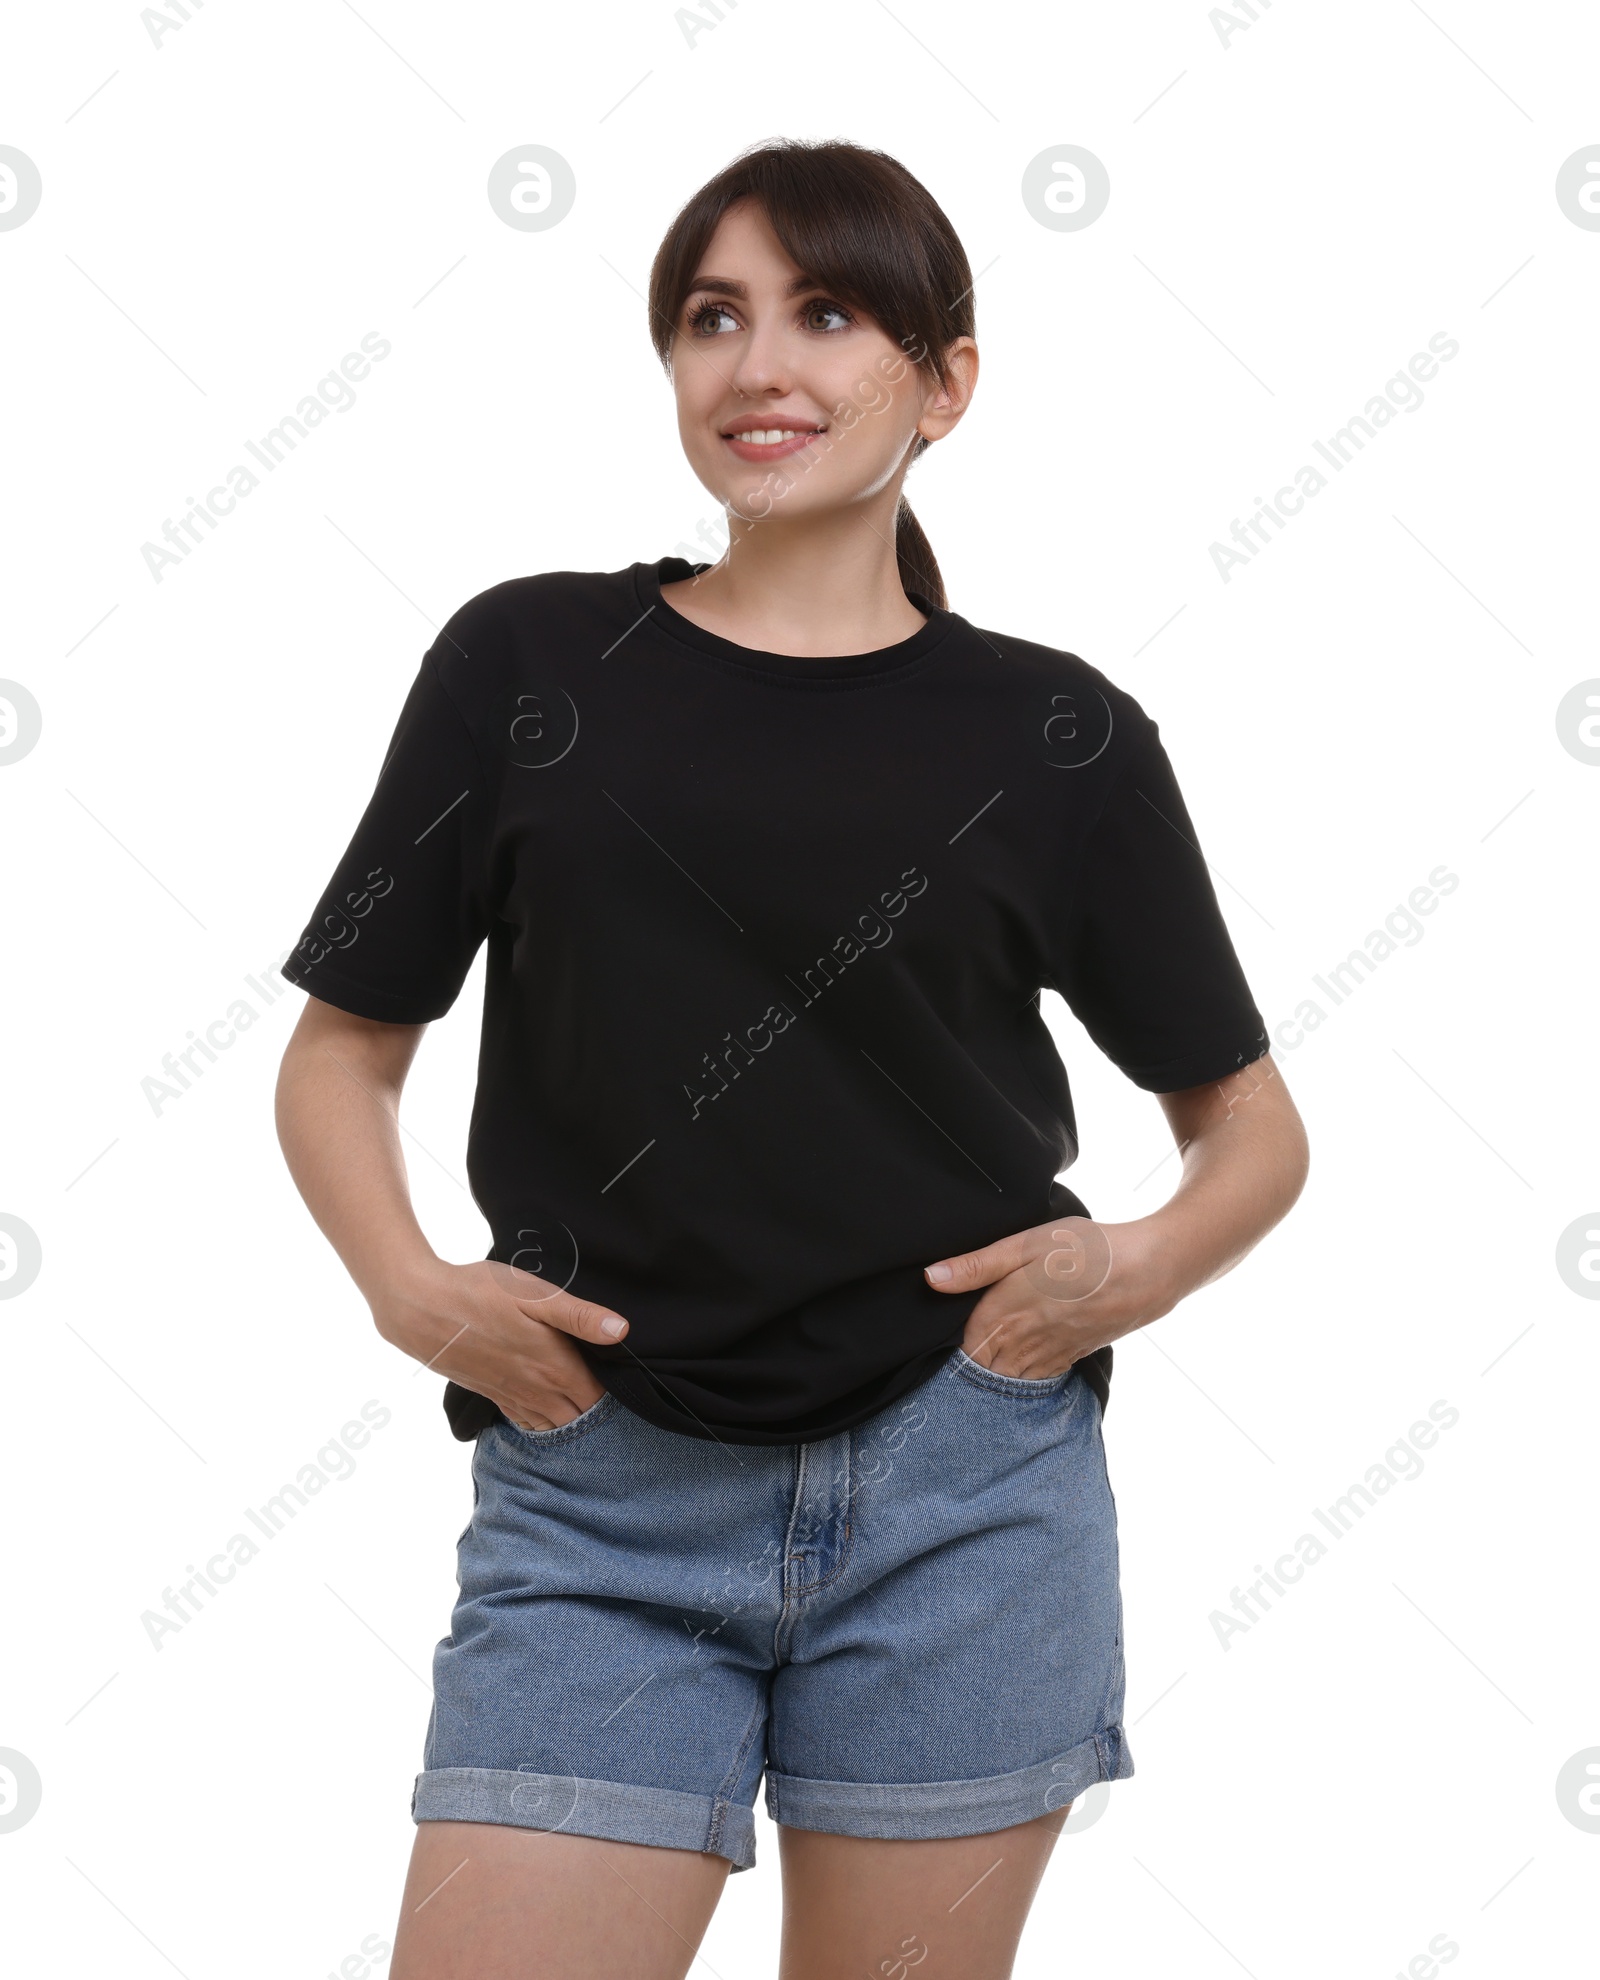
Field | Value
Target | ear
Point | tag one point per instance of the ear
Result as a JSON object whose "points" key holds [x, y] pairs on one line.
{"points": [[947, 402]]}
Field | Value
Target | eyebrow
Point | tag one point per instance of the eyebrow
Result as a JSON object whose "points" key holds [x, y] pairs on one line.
{"points": [[724, 285]]}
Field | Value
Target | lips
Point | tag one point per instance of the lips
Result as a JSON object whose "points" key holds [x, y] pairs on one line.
{"points": [[766, 437]]}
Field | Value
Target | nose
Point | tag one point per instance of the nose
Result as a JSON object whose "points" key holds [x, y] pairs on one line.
{"points": [[764, 364]]}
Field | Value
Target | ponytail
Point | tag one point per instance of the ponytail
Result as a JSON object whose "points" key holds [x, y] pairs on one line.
{"points": [[919, 570]]}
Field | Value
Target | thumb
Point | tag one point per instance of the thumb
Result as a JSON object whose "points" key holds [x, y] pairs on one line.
{"points": [[587, 1321], [558, 1308], [580, 1317], [974, 1268]]}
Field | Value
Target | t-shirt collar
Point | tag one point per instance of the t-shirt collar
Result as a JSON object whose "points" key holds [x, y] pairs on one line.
{"points": [[835, 670]]}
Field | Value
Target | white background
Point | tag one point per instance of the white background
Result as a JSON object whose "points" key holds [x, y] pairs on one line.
{"points": [[1294, 212]]}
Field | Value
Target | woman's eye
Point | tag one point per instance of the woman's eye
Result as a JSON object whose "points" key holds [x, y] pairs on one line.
{"points": [[705, 312], [827, 309]]}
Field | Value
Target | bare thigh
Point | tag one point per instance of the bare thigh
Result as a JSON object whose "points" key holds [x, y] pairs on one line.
{"points": [[946, 1910], [494, 1902]]}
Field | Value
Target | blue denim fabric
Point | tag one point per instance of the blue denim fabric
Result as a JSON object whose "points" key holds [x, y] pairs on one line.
{"points": [[913, 1628]]}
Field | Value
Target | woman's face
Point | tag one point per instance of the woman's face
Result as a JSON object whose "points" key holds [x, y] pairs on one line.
{"points": [[760, 350]]}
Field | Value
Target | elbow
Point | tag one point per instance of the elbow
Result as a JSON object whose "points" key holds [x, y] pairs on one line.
{"points": [[1293, 1160]]}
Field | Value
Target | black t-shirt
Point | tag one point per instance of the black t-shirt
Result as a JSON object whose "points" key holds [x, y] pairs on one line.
{"points": [[766, 936]]}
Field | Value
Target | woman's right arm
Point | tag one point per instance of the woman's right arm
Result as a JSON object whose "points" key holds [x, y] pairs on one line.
{"points": [[496, 1330]]}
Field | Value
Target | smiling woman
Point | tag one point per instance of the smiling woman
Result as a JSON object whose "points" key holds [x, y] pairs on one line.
{"points": [[838, 254], [778, 442], [688, 1568]]}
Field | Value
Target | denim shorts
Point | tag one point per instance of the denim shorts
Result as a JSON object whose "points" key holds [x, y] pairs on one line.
{"points": [[913, 1628]]}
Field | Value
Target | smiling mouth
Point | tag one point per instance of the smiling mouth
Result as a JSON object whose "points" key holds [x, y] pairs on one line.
{"points": [[770, 443]]}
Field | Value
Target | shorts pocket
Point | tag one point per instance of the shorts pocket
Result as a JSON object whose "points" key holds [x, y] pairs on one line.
{"points": [[1021, 1386], [562, 1433]]}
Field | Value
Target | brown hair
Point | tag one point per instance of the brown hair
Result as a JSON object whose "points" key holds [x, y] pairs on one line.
{"points": [[858, 223]]}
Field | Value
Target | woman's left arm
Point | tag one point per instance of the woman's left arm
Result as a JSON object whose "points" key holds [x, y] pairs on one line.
{"points": [[1060, 1290]]}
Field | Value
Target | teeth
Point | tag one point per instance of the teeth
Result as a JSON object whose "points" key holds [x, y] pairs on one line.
{"points": [[768, 436]]}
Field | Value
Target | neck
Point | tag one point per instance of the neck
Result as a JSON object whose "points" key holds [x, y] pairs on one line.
{"points": [[813, 587]]}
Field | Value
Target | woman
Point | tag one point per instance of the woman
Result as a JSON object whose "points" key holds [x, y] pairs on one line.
{"points": [[786, 1369]]}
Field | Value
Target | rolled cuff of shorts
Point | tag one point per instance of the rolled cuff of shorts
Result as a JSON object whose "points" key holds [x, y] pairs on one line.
{"points": [[614, 1811], [916, 1810]]}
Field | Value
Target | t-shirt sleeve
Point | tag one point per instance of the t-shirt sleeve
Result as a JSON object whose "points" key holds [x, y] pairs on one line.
{"points": [[1144, 959], [400, 921]]}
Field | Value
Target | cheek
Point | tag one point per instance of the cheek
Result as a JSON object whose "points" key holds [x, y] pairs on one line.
{"points": [[696, 388], [880, 417]]}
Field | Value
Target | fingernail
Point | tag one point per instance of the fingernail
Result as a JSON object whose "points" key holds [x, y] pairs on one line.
{"points": [[938, 1273], [613, 1326]]}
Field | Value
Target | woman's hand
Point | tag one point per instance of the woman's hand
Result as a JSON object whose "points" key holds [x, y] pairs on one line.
{"points": [[1058, 1291], [1061, 1290], [502, 1332]]}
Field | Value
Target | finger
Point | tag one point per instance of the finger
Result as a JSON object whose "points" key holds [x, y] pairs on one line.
{"points": [[977, 1268], [530, 1411], [979, 1333], [579, 1317]]}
